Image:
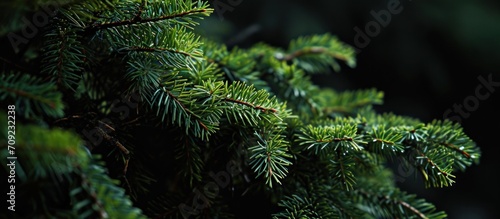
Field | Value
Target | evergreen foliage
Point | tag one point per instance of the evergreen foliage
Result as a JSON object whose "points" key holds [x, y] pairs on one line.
{"points": [[124, 111]]}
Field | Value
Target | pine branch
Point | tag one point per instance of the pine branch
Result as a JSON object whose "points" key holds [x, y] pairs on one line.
{"points": [[240, 65], [179, 105], [31, 96], [270, 158], [317, 53], [189, 154], [435, 168], [202, 72], [290, 83], [389, 119], [173, 47], [342, 169], [162, 13], [62, 55], [329, 139], [301, 206], [319, 196], [399, 204], [451, 136], [384, 141], [347, 102], [437, 150], [79, 13], [238, 97], [144, 74], [98, 196]]}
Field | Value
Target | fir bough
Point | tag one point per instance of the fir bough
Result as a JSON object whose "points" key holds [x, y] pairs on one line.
{"points": [[124, 111]]}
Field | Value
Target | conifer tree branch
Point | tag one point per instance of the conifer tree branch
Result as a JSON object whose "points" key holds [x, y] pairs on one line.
{"points": [[257, 107], [316, 53], [139, 20], [406, 209], [180, 105], [63, 55], [342, 167], [95, 202], [269, 158], [156, 49], [106, 197], [348, 102], [185, 109], [151, 13], [456, 148], [119, 145], [328, 139], [31, 95], [440, 171], [189, 153], [311, 50]]}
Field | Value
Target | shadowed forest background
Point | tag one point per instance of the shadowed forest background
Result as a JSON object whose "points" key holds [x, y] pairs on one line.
{"points": [[427, 59]]}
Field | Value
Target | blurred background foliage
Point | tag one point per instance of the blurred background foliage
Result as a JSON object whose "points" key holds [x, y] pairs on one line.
{"points": [[427, 59]]}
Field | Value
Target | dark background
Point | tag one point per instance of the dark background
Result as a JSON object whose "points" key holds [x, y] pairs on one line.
{"points": [[426, 60]]}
